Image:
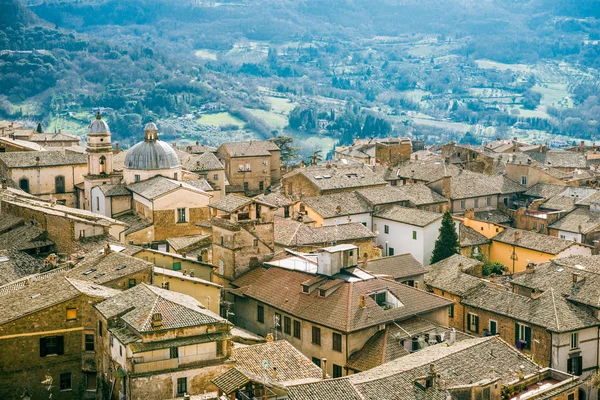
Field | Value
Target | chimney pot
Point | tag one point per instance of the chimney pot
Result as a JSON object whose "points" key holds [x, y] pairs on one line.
{"points": [[324, 367]]}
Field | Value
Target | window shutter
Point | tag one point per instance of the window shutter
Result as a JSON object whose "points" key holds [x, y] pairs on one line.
{"points": [[476, 322], [43, 347], [60, 345], [528, 337], [579, 365], [517, 326], [570, 365]]}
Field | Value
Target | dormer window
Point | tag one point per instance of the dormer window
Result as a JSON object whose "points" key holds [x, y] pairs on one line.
{"points": [[305, 289], [385, 299]]}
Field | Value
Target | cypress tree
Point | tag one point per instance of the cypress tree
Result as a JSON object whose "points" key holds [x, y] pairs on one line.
{"points": [[447, 242], [39, 128]]}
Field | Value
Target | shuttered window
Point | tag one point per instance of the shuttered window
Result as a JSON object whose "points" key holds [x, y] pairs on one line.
{"points": [[473, 321], [52, 345]]}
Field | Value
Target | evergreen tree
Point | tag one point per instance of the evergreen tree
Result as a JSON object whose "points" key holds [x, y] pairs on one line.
{"points": [[39, 128], [447, 242]]}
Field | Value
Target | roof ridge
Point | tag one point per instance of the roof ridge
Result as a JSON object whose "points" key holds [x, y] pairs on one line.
{"points": [[555, 310], [384, 348], [349, 308]]}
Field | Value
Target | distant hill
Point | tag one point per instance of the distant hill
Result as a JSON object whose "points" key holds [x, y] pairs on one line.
{"points": [[14, 13]]}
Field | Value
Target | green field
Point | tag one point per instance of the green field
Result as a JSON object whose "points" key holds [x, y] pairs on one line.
{"points": [[272, 119], [220, 119]]}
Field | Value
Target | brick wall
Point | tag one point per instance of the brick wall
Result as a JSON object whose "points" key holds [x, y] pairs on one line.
{"points": [[541, 345]]}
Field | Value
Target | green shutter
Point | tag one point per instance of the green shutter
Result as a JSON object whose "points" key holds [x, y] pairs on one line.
{"points": [[516, 334], [42, 347], [528, 337], [570, 365], [476, 323], [176, 266]]}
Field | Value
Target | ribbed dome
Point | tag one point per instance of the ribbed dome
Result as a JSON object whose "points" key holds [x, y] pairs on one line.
{"points": [[150, 126], [98, 125], [148, 155]]}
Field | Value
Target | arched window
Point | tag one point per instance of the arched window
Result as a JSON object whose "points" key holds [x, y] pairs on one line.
{"points": [[59, 184], [102, 165], [24, 184]]}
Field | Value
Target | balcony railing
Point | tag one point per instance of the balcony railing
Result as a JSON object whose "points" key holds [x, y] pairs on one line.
{"points": [[152, 366]]}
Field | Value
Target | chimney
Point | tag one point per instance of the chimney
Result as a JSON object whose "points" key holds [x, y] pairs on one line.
{"points": [[156, 320], [452, 336], [577, 277], [361, 301], [535, 294], [581, 145], [530, 268], [116, 147], [4, 186], [517, 236], [460, 267], [416, 157], [446, 187], [37, 160], [269, 338], [107, 249], [192, 273], [324, 367], [197, 143], [274, 373]]}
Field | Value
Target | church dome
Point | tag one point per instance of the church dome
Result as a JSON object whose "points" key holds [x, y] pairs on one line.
{"points": [[98, 125], [152, 153]]}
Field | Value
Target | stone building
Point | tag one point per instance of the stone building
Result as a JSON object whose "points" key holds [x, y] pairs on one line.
{"points": [[252, 166], [46, 174], [469, 190], [478, 368], [402, 230], [242, 234], [264, 370], [554, 331], [173, 208], [208, 167], [156, 344], [297, 236], [99, 163], [64, 226], [389, 151], [318, 180], [447, 278], [58, 139], [48, 333], [325, 306], [515, 248], [9, 145], [403, 268]]}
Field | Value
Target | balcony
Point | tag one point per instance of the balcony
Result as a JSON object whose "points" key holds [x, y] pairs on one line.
{"points": [[153, 366]]}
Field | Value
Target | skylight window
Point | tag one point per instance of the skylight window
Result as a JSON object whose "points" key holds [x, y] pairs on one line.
{"points": [[86, 273], [4, 259], [120, 267], [35, 296]]}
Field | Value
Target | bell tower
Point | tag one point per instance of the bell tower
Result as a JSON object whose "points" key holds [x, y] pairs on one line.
{"points": [[99, 148], [99, 166]]}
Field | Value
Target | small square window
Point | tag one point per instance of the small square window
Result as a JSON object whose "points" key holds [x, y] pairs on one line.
{"points": [[414, 235], [386, 229], [463, 204], [132, 282], [138, 178], [65, 381], [71, 314], [215, 177], [260, 314]]}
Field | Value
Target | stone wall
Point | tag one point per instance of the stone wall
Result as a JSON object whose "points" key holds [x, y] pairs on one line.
{"points": [[166, 225], [540, 350], [23, 369]]}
